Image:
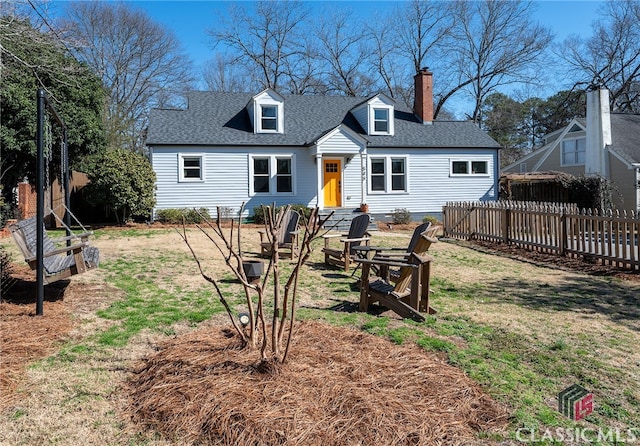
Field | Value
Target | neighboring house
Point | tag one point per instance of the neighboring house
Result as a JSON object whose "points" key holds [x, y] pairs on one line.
{"points": [[325, 151], [604, 144]]}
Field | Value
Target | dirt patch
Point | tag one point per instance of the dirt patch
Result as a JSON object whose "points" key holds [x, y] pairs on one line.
{"points": [[340, 386]]}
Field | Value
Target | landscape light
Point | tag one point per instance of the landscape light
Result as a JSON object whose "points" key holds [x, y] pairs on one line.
{"points": [[244, 319]]}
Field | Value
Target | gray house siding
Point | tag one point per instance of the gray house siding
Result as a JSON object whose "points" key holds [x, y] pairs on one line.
{"points": [[430, 183], [226, 179]]}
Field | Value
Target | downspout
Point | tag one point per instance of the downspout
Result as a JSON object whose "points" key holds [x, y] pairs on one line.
{"points": [[636, 167], [319, 180], [363, 174]]}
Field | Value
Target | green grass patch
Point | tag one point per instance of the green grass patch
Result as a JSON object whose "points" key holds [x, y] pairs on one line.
{"points": [[151, 301]]}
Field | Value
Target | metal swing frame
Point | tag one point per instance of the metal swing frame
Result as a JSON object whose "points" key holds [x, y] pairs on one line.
{"points": [[43, 105]]}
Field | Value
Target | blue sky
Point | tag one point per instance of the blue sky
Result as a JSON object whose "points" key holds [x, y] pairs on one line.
{"points": [[190, 19]]}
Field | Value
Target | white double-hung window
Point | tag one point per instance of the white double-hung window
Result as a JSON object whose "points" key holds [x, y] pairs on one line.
{"points": [[271, 174], [269, 118], [388, 174], [191, 167], [381, 120]]}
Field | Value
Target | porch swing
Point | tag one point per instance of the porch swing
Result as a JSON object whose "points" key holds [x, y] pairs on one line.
{"points": [[48, 257], [60, 261]]}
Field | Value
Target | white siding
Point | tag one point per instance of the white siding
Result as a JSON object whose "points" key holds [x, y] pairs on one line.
{"points": [[362, 116], [351, 185], [226, 179], [339, 143], [429, 181], [226, 184]]}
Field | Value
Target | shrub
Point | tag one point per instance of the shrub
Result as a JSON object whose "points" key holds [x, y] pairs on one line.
{"points": [[123, 181], [5, 272], [8, 209], [175, 216], [258, 212], [258, 215], [430, 219], [196, 216], [401, 216], [170, 216]]}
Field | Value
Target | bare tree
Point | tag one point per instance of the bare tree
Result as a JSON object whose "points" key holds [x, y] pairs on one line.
{"points": [[265, 40], [385, 60], [138, 60], [422, 30], [345, 54], [411, 37], [303, 72], [228, 242], [495, 43], [220, 74], [611, 57]]}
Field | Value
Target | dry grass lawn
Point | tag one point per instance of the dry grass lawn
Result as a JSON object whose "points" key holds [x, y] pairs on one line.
{"points": [[89, 373]]}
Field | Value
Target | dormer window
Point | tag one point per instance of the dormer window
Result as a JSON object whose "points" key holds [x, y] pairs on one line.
{"points": [[381, 120], [376, 115], [266, 111], [269, 117]]}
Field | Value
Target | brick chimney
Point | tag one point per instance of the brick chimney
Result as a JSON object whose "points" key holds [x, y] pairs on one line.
{"points": [[423, 100]]}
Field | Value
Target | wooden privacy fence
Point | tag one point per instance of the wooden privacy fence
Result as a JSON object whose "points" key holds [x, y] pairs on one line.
{"points": [[610, 237]]}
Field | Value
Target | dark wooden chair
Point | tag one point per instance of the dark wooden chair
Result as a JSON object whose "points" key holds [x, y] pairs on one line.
{"points": [[357, 235], [287, 236], [404, 252], [409, 295], [401, 254], [60, 262]]}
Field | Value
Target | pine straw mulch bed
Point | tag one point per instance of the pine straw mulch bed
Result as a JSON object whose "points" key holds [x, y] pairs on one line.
{"points": [[339, 386], [23, 336]]}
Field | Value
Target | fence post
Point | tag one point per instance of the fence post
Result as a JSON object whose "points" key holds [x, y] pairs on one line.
{"points": [[562, 242], [473, 223], [505, 225], [444, 220]]}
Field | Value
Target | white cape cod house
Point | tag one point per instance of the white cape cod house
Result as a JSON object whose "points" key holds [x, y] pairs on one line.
{"points": [[327, 151]]}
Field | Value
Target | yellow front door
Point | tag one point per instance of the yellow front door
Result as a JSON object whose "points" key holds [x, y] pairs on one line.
{"points": [[332, 183]]}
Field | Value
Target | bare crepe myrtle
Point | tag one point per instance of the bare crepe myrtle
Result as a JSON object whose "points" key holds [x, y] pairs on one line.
{"points": [[228, 242]]}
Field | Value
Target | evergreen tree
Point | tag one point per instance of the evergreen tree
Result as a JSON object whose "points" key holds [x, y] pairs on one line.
{"points": [[31, 60]]}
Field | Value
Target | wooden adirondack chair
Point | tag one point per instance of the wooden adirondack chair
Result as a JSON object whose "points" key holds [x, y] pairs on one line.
{"points": [[287, 237], [404, 252], [357, 235], [409, 296], [389, 254], [58, 264]]}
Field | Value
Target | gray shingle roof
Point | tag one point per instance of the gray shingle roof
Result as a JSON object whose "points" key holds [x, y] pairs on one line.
{"points": [[221, 119], [625, 136]]}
